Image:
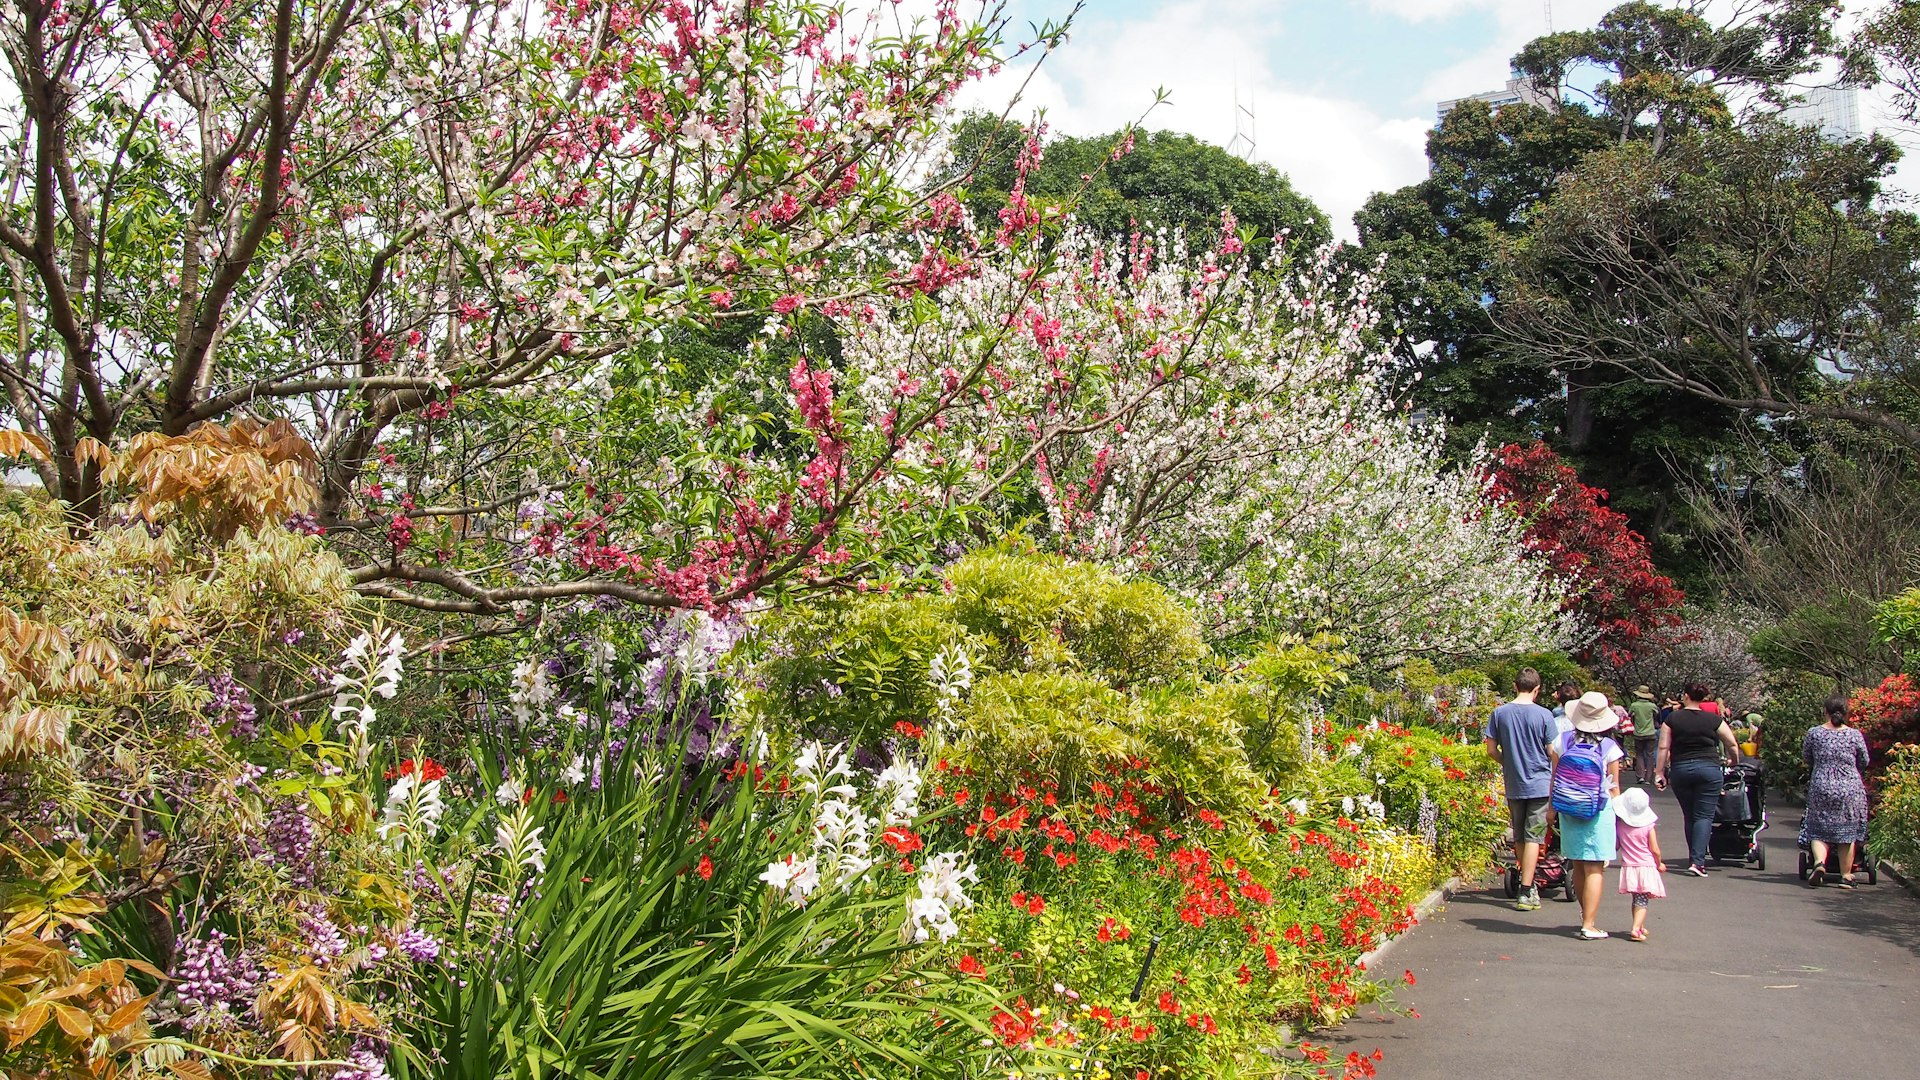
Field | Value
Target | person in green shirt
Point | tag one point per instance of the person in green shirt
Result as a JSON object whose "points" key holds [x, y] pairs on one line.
{"points": [[1646, 733]]}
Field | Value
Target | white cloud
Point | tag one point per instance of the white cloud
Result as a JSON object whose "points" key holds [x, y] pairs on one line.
{"points": [[1336, 150]]}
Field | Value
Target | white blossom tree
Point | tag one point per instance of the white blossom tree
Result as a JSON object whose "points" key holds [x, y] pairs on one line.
{"points": [[1225, 428]]}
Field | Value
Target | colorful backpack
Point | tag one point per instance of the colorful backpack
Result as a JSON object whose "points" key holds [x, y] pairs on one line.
{"points": [[1580, 779]]}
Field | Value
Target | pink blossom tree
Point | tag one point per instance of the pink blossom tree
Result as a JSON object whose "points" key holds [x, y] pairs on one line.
{"points": [[398, 224]]}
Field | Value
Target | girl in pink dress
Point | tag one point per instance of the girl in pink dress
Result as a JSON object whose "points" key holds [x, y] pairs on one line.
{"points": [[1639, 851]]}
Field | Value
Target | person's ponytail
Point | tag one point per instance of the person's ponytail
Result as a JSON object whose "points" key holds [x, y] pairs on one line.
{"points": [[1837, 710]]}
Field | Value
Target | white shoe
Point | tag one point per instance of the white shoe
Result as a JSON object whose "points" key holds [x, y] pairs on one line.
{"points": [[1585, 934]]}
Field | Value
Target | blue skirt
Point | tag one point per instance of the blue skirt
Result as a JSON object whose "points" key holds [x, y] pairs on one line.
{"points": [[1587, 839]]}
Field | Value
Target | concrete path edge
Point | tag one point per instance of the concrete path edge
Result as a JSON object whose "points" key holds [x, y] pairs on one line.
{"points": [[1427, 906], [1900, 875]]}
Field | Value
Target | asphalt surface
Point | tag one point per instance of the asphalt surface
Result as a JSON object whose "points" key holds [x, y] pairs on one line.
{"points": [[1748, 975]]}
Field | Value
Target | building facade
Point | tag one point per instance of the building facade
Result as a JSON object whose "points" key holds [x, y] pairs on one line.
{"points": [[1515, 92]]}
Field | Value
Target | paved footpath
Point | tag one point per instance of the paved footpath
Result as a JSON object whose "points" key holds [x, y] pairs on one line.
{"points": [[1749, 975]]}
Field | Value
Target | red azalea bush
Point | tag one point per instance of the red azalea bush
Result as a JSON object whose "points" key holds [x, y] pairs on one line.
{"points": [[1616, 588], [1888, 715]]}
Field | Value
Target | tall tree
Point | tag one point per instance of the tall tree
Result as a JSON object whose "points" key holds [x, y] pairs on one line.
{"points": [[1645, 76], [1118, 182]]}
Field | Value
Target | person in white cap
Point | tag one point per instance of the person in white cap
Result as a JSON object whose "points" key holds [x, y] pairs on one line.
{"points": [[1640, 860], [1586, 777]]}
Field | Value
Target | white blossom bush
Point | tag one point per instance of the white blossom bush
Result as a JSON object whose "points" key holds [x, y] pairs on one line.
{"points": [[1229, 430]]}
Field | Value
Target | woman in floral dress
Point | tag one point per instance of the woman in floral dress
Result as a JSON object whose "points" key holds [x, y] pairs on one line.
{"points": [[1836, 795]]}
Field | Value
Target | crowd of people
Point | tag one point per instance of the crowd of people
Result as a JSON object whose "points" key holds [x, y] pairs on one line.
{"points": [[1563, 768]]}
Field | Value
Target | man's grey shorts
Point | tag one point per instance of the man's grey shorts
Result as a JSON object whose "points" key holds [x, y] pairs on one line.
{"points": [[1529, 819]]}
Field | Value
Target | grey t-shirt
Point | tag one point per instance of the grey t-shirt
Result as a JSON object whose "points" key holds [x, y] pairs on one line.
{"points": [[1522, 730]]}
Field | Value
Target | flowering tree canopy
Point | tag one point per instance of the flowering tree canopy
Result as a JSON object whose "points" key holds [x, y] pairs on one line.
{"points": [[1617, 592], [1225, 429], [381, 220]]}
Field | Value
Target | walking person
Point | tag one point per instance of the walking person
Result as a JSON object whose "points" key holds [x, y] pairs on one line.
{"points": [[1586, 777], [1837, 792], [1690, 746], [1567, 694], [1516, 737], [1639, 848], [1646, 733]]}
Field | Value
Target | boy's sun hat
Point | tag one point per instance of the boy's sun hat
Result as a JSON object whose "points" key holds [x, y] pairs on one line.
{"points": [[1634, 808], [1643, 692], [1592, 713]]}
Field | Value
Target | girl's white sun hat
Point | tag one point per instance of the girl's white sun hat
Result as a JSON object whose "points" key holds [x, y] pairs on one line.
{"points": [[1634, 809]]}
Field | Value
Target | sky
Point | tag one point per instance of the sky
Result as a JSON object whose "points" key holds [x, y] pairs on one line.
{"points": [[1342, 91]]}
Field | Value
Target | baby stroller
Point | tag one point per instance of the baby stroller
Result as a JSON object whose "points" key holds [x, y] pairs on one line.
{"points": [[1549, 873], [1741, 817], [1863, 863]]}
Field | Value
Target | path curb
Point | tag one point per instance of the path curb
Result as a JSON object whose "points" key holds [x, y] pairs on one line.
{"points": [[1901, 876], [1421, 910]]}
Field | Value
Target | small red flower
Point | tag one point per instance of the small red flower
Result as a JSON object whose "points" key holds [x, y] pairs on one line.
{"points": [[970, 965], [705, 869], [1036, 906], [1408, 978], [909, 729]]}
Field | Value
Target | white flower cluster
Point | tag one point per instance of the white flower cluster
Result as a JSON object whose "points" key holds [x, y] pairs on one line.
{"points": [[949, 676], [842, 851], [531, 692], [412, 812], [518, 839], [1365, 805], [942, 891], [366, 672], [901, 783]]}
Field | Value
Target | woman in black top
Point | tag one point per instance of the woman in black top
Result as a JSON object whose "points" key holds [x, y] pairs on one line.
{"points": [[1690, 745]]}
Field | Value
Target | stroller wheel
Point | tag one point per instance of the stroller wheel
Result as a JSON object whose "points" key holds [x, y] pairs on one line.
{"points": [[1760, 858], [1806, 865], [1570, 896], [1513, 883], [1873, 873]]}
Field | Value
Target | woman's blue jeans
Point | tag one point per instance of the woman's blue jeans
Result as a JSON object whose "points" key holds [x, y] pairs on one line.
{"points": [[1697, 785]]}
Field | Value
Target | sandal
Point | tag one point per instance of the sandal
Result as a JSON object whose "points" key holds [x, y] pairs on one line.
{"points": [[1585, 934], [1818, 877], [1845, 882], [1637, 935]]}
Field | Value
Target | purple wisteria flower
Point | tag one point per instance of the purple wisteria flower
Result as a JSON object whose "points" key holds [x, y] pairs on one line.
{"points": [[232, 706], [214, 987]]}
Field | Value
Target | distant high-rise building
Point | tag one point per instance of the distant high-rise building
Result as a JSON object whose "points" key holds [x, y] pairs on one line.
{"points": [[1516, 91], [1835, 110]]}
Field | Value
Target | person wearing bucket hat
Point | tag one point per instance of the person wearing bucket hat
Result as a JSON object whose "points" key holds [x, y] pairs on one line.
{"points": [[1639, 849], [1586, 777], [1646, 733]]}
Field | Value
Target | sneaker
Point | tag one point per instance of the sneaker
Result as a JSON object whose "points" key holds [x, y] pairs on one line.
{"points": [[1585, 934], [1696, 871], [1529, 900]]}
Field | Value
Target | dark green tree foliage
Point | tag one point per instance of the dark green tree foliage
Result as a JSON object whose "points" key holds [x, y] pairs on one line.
{"points": [[1750, 268], [1437, 244], [1664, 70], [1643, 80], [1167, 180]]}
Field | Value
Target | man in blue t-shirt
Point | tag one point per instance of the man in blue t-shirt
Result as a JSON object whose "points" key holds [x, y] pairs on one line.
{"points": [[1517, 738]]}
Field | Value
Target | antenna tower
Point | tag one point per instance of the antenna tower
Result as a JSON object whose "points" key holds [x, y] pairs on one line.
{"points": [[1243, 125], [1549, 7]]}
